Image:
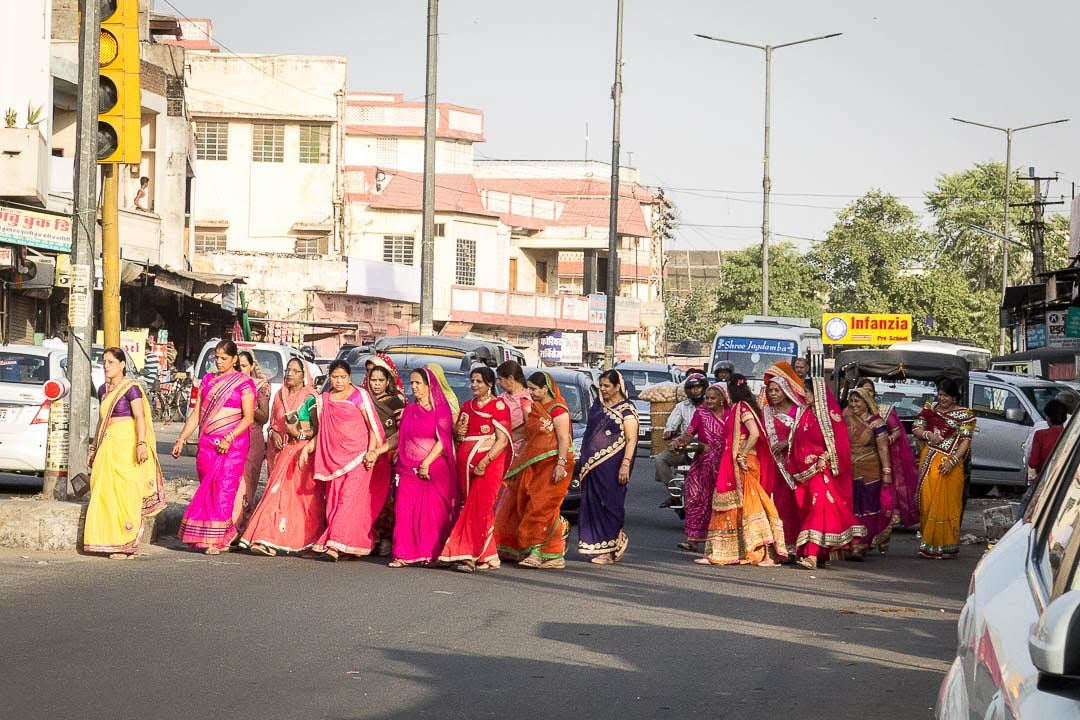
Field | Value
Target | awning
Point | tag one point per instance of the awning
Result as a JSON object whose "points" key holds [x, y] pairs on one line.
{"points": [[185, 282], [309, 228]]}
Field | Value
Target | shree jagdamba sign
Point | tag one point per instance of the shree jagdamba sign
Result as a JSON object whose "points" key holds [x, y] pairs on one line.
{"points": [[865, 328]]}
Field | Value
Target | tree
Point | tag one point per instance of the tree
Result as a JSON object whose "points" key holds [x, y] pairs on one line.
{"points": [[691, 316], [794, 291], [1057, 242]]}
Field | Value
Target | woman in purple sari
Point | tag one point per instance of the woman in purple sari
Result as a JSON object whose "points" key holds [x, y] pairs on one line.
{"points": [[710, 425], [428, 495], [905, 471], [607, 459], [224, 411]]}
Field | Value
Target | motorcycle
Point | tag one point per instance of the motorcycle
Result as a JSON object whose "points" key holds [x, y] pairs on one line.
{"points": [[675, 486]]}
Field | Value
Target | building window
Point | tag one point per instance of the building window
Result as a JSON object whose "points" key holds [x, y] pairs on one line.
{"points": [[312, 245], [466, 262], [386, 154], [268, 143], [398, 249], [211, 241], [440, 229], [314, 144], [212, 140]]}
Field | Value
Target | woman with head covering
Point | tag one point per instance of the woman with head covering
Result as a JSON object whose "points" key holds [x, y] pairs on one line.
{"points": [[529, 528], [905, 474], [783, 399], [291, 515], [872, 471], [384, 384], [607, 460], [946, 428], [245, 499], [484, 451], [428, 493], [710, 425]]}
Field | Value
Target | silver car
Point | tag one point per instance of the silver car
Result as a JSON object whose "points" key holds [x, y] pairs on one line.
{"points": [[1018, 653]]}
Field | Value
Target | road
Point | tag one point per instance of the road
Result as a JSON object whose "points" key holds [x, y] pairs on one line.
{"points": [[175, 634]]}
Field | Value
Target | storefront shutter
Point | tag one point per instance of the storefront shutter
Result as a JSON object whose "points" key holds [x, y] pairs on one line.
{"points": [[21, 313]]}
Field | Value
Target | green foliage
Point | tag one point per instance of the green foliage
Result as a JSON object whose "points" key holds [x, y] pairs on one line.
{"points": [[1056, 241]]}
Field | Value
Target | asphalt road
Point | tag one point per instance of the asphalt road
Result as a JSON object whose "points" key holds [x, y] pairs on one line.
{"points": [[175, 634]]}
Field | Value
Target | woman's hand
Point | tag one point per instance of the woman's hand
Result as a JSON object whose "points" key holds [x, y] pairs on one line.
{"points": [[142, 454], [370, 458], [224, 444], [624, 472], [780, 446], [462, 426], [423, 472], [481, 467], [558, 474], [279, 439], [741, 461], [177, 448]]}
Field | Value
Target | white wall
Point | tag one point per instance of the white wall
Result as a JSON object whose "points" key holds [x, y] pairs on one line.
{"points": [[451, 156], [25, 77]]}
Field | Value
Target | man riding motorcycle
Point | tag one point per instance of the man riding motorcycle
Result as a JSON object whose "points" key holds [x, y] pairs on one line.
{"points": [[667, 461]]}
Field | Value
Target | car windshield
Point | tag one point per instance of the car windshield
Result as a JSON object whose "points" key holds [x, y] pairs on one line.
{"points": [[638, 380], [1039, 395], [269, 361], [575, 400], [23, 368], [752, 365], [906, 405]]}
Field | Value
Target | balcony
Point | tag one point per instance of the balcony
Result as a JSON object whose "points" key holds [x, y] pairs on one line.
{"points": [[483, 306], [24, 166]]}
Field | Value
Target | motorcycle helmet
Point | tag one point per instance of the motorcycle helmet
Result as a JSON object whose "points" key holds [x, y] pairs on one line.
{"points": [[695, 386]]}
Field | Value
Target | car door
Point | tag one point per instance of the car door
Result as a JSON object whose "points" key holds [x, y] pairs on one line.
{"points": [[998, 449]]}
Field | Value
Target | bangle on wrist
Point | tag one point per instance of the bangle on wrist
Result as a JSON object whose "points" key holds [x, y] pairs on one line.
{"points": [[141, 442]]}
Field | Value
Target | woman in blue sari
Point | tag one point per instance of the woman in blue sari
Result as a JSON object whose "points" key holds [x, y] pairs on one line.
{"points": [[607, 459]]}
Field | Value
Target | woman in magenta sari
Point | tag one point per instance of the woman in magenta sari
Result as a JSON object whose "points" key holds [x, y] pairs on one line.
{"points": [[905, 472], [428, 493], [783, 398], [709, 424], [224, 411], [484, 453], [348, 429]]}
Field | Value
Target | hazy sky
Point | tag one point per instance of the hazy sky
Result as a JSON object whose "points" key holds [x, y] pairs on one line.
{"points": [[869, 109]]}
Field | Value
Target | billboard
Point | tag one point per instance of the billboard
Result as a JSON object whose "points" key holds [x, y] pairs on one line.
{"points": [[865, 328]]}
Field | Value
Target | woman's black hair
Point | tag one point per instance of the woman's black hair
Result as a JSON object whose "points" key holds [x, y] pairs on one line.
{"points": [[339, 365], [247, 355], [380, 368], [950, 387], [867, 381], [421, 374], [538, 379], [227, 346], [1056, 412], [486, 374], [299, 363], [739, 391], [118, 355], [511, 369], [613, 376]]}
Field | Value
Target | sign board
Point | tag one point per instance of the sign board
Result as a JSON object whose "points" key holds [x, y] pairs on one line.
{"points": [[652, 314], [1072, 322], [133, 342], [1057, 330], [1036, 336], [865, 328], [598, 310], [756, 345], [230, 297], [595, 341], [561, 347], [627, 346], [7, 257], [35, 229]]}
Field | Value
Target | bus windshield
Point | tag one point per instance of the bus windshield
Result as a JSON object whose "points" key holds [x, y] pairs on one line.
{"points": [[752, 356]]}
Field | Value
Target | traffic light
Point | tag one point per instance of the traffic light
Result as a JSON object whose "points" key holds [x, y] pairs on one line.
{"points": [[119, 130]]}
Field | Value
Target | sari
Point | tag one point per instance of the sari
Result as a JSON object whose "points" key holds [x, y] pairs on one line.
{"points": [[256, 456], [425, 508], [471, 539], [354, 496], [122, 491], [603, 498], [868, 488], [700, 480], [286, 402], [744, 527], [388, 407], [905, 473], [941, 494], [528, 519], [291, 515], [826, 521], [208, 520], [778, 427], [519, 404]]}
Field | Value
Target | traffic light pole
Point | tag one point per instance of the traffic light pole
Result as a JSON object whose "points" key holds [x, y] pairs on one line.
{"points": [[84, 219], [110, 255]]}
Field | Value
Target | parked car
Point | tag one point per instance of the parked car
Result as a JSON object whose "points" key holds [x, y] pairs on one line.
{"points": [[638, 376], [1018, 652], [466, 350], [97, 367], [457, 378]]}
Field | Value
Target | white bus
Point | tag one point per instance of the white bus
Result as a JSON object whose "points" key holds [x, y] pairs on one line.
{"points": [[758, 342], [977, 357]]}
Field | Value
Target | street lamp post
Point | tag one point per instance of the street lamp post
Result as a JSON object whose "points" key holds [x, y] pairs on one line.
{"points": [[766, 182], [1005, 219]]}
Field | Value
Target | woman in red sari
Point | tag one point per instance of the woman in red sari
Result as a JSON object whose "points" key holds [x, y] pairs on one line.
{"points": [[384, 384], [783, 399], [348, 429], [483, 454]]}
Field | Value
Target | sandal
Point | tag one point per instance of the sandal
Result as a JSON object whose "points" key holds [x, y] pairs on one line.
{"points": [[703, 561], [618, 554], [688, 545], [604, 559], [532, 560], [397, 564], [807, 563], [263, 550], [214, 551], [465, 567], [121, 556], [331, 555]]}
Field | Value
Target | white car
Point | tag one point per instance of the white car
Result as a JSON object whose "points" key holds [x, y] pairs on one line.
{"points": [[1019, 630]]}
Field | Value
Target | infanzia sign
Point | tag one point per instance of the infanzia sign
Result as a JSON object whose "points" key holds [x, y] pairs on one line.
{"points": [[865, 328]]}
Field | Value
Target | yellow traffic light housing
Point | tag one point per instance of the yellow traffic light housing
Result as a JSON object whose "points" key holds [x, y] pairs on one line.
{"points": [[119, 131]]}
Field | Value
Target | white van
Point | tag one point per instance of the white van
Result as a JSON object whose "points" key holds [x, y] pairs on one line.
{"points": [[758, 342], [978, 358]]}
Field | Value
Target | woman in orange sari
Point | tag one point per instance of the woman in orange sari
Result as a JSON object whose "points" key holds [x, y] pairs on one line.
{"points": [[745, 528], [483, 452], [528, 526]]}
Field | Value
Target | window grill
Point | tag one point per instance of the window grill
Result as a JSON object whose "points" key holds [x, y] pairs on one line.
{"points": [[212, 140], [268, 143]]}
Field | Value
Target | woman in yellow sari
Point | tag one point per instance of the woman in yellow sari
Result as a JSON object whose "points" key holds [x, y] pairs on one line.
{"points": [[126, 484], [946, 429]]}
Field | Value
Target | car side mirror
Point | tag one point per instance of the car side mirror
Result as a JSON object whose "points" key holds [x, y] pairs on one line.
{"points": [[1015, 415], [319, 380], [1054, 646]]}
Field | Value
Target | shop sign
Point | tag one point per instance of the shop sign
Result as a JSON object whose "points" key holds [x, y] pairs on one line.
{"points": [[1057, 331], [561, 347], [1036, 336], [598, 310], [7, 257], [35, 229], [229, 297], [595, 341], [132, 341], [1072, 322], [865, 328]]}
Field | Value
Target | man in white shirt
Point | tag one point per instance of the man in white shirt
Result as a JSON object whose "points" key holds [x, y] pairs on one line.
{"points": [[664, 464]]}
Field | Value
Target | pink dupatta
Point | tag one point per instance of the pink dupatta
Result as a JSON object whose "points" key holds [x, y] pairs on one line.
{"points": [[342, 441]]}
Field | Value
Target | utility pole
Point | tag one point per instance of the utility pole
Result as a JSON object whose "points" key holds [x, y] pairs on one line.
{"points": [[613, 207], [84, 220], [110, 255], [1038, 224], [427, 243]]}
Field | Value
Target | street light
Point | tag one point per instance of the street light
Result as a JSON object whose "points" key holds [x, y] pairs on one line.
{"points": [[766, 183], [1008, 173]]}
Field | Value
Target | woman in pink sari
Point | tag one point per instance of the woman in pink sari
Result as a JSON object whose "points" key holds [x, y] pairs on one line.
{"points": [[484, 453], [348, 429], [428, 493], [245, 499], [296, 389], [901, 497], [783, 399], [224, 411], [517, 397]]}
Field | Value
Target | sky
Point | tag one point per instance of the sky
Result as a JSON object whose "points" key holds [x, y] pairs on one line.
{"points": [[870, 109]]}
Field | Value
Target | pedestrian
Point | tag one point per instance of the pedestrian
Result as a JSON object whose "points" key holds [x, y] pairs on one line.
{"points": [[872, 470], [1044, 441], [744, 527], [428, 493], [901, 494], [151, 364], [384, 384], [723, 371], [348, 429], [607, 460], [826, 522], [710, 426], [946, 428], [529, 527], [223, 413], [141, 201], [245, 499], [784, 397], [518, 398], [126, 484], [670, 458], [291, 515], [484, 450], [801, 366]]}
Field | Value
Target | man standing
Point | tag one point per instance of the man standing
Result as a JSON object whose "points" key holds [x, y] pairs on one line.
{"points": [[150, 365], [664, 463], [801, 366]]}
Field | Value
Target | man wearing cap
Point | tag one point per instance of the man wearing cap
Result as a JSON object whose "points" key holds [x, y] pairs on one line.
{"points": [[664, 463]]}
